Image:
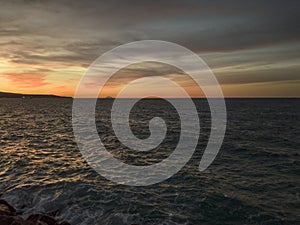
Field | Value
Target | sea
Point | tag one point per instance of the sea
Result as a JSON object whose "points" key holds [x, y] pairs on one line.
{"points": [[255, 178]]}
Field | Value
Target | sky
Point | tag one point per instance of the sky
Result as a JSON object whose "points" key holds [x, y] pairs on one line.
{"points": [[252, 47]]}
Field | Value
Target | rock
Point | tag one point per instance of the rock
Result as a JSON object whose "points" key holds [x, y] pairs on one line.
{"points": [[41, 219], [8, 216], [12, 220], [63, 223], [6, 220], [19, 221], [6, 209]]}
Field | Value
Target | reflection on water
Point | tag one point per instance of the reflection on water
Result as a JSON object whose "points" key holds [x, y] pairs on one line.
{"points": [[254, 179]]}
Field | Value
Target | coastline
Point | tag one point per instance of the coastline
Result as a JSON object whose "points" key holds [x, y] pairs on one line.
{"points": [[10, 216]]}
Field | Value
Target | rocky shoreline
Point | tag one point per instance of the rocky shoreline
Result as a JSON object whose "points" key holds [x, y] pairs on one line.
{"points": [[10, 216]]}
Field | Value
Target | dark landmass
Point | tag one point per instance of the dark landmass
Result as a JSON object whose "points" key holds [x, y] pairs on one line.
{"points": [[16, 95], [10, 216]]}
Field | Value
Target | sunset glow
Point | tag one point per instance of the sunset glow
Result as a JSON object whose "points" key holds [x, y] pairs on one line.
{"points": [[49, 55]]}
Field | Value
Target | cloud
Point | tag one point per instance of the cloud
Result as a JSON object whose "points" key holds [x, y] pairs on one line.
{"points": [[74, 33], [199, 25], [27, 79]]}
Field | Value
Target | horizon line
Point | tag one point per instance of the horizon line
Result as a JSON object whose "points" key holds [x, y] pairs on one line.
{"points": [[153, 97]]}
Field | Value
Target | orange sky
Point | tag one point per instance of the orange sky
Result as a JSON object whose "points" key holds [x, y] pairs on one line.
{"points": [[47, 46], [62, 79]]}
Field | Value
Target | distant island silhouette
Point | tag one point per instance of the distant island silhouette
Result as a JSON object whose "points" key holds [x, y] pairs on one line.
{"points": [[18, 95]]}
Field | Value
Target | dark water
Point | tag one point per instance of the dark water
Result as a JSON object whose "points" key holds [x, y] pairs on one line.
{"points": [[254, 179]]}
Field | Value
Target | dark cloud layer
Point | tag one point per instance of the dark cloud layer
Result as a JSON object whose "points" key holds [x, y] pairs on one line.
{"points": [[199, 25], [75, 32]]}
